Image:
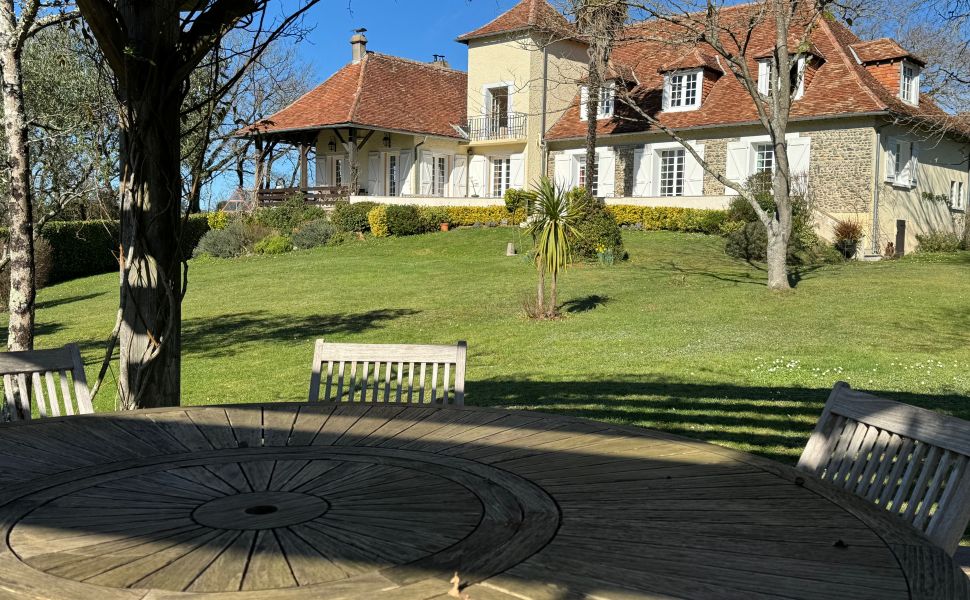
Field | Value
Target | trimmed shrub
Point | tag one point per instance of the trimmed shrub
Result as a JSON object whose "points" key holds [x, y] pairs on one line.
{"points": [[670, 218], [377, 218], [192, 231], [938, 241], [289, 215], [217, 219], [432, 217], [598, 232], [351, 217], [236, 239], [403, 219], [313, 234], [518, 199], [749, 242], [273, 244], [470, 215]]}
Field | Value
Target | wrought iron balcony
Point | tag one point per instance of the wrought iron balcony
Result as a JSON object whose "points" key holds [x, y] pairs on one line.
{"points": [[503, 126]]}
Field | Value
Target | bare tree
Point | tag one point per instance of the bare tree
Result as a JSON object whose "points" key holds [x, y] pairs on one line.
{"points": [[728, 32], [600, 23], [153, 48]]}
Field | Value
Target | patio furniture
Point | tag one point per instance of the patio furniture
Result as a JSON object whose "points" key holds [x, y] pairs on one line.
{"points": [[296, 501], [27, 375], [908, 460], [389, 373]]}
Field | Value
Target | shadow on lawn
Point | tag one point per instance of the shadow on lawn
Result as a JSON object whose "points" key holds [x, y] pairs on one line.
{"points": [[767, 418], [585, 304], [220, 336], [796, 274]]}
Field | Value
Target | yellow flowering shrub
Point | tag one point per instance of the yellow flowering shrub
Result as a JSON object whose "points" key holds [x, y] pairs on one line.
{"points": [[469, 215], [377, 218], [217, 219]]}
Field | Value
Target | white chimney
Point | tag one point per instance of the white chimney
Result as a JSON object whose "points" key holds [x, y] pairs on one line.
{"points": [[358, 45]]}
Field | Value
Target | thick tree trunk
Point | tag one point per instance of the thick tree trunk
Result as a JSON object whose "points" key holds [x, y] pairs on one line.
{"points": [[23, 291], [777, 261], [149, 338]]}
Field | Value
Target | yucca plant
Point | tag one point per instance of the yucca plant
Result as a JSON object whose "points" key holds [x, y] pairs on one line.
{"points": [[552, 224]]}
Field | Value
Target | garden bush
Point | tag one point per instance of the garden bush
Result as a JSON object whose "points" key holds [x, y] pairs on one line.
{"points": [[351, 217], [432, 217], [273, 244], [377, 218], [669, 218], [938, 241], [470, 215], [597, 230], [313, 234], [626, 214], [217, 219], [518, 200], [236, 239], [289, 215], [403, 219]]}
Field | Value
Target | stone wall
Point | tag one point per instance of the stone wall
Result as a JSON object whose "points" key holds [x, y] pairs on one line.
{"points": [[623, 184], [715, 154], [841, 171]]}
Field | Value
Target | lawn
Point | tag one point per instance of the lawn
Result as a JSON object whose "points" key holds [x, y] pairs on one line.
{"points": [[679, 338]]}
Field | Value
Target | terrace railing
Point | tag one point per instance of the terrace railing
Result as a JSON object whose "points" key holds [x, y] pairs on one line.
{"points": [[321, 195], [507, 126]]}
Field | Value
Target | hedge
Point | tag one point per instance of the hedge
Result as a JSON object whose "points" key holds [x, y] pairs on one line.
{"points": [[471, 215], [653, 218], [82, 248]]}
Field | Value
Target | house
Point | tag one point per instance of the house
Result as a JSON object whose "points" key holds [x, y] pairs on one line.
{"points": [[398, 130]]}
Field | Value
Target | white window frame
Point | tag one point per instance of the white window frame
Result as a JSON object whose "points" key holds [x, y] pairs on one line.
{"points": [[956, 195], [580, 166], [679, 183], [336, 170], [758, 149], [606, 106], [909, 93], [392, 174], [440, 171], [896, 168], [668, 96], [764, 78], [487, 95], [505, 177]]}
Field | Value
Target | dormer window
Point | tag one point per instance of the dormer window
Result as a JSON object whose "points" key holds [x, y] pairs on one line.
{"points": [[683, 90], [607, 100], [909, 83], [796, 76]]}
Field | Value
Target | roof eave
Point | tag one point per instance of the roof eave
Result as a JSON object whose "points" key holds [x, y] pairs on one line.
{"points": [[345, 125]]}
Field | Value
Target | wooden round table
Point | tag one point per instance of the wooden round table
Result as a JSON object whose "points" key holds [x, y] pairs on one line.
{"points": [[293, 501]]}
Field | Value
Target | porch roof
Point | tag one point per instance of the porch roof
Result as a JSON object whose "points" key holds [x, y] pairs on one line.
{"points": [[380, 92]]}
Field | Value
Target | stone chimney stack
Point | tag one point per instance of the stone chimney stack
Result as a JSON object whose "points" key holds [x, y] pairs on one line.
{"points": [[438, 60], [358, 45]]}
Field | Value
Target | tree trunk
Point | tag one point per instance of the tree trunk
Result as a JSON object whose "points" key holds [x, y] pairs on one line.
{"points": [[541, 291], [592, 109], [552, 295], [777, 252], [151, 223], [20, 331]]}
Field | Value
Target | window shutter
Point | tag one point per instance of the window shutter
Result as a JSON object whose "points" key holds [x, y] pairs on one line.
{"points": [[426, 173], [606, 173], [693, 172], [913, 165], [373, 171], [322, 172], [459, 174], [642, 172], [799, 152], [583, 100], [405, 177], [890, 159], [764, 77], [737, 165], [563, 174], [665, 103], [517, 176], [477, 175], [904, 176], [800, 78]]}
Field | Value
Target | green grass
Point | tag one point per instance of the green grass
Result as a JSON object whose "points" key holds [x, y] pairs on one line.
{"points": [[679, 338]]}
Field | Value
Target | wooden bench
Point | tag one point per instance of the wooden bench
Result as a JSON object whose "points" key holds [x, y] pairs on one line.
{"points": [[409, 373], [911, 461]]}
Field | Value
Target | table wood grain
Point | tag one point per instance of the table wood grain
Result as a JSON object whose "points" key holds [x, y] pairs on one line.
{"points": [[293, 501]]}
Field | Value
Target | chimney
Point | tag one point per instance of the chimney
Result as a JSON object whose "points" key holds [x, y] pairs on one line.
{"points": [[358, 45], [438, 60]]}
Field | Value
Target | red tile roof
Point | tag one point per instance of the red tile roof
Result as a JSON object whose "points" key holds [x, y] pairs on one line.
{"points": [[840, 87], [526, 15], [695, 59], [883, 49], [383, 92]]}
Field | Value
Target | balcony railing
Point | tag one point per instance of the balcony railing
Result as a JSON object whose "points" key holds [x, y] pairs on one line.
{"points": [[506, 126], [325, 195]]}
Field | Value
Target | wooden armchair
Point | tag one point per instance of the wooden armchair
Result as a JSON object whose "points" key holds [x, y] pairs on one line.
{"points": [[389, 373], [911, 461], [26, 376]]}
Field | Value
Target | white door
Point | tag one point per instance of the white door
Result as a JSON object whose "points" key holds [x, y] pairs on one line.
{"points": [[459, 176]]}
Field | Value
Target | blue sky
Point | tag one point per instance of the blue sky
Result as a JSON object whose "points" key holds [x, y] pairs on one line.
{"points": [[410, 28]]}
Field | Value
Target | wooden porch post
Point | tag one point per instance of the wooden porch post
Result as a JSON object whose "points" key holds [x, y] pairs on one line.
{"points": [[352, 159], [304, 177], [258, 174]]}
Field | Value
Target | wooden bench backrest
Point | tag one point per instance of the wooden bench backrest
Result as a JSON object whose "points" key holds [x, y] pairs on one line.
{"points": [[45, 378], [389, 373], [911, 461]]}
